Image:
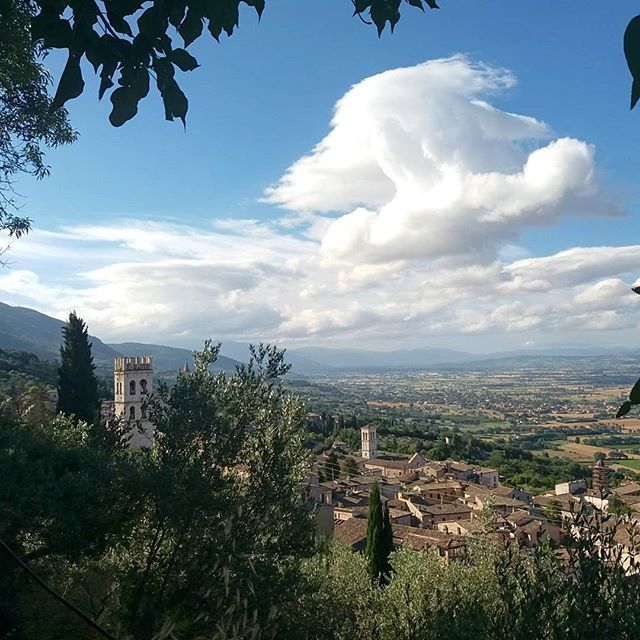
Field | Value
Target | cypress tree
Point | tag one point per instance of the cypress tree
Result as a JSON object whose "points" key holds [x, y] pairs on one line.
{"points": [[77, 382], [387, 542], [379, 538]]}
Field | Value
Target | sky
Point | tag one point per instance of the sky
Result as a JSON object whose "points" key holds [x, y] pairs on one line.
{"points": [[469, 181]]}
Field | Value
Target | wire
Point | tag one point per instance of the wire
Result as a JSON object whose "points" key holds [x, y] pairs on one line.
{"points": [[88, 620]]}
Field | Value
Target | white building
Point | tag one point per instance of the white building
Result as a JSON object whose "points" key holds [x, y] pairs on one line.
{"points": [[133, 384], [369, 442]]}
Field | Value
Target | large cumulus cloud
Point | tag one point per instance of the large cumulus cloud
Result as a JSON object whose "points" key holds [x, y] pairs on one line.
{"points": [[420, 165]]}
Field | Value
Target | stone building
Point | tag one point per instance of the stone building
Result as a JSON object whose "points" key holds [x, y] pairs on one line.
{"points": [[369, 442], [600, 480], [133, 384]]}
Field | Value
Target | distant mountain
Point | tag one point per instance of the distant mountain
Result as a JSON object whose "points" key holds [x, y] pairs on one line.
{"points": [[557, 352], [169, 359], [300, 363], [362, 359], [28, 330], [24, 329], [315, 359]]}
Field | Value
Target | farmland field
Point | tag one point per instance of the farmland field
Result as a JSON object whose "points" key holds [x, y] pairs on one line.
{"points": [[631, 464]]}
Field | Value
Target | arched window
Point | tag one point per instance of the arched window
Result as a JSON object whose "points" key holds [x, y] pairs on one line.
{"points": [[143, 411], [132, 388], [132, 413], [143, 386]]}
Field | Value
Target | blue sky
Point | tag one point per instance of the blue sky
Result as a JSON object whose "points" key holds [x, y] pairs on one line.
{"points": [[264, 98]]}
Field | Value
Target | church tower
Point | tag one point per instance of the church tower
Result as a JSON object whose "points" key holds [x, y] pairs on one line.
{"points": [[369, 442], [133, 384], [600, 479]]}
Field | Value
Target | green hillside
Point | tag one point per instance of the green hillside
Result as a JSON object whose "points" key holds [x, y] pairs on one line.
{"points": [[26, 365], [24, 329], [27, 330]]}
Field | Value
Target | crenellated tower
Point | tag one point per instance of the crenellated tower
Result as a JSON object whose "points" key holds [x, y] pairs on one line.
{"points": [[133, 384]]}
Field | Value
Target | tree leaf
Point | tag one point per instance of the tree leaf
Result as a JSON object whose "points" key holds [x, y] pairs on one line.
{"points": [[176, 13], [57, 34], [416, 3], [258, 5], [152, 23], [432, 4], [625, 407], [125, 99], [125, 106], [635, 92], [175, 102], [632, 54], [361, 5], [71, 83], [184, 60], [106, 75], [634, 396], [117, 21], [215, 29], [191, 27], [379, 14]]}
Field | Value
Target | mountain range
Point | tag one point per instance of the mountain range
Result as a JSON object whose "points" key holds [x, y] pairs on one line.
{"points": [[29, 330], [25, 329]]}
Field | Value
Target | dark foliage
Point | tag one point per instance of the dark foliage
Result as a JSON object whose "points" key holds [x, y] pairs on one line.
{"points": [[131, 42], [379, 538], [77, 382], [27, 124], [28, 366]]}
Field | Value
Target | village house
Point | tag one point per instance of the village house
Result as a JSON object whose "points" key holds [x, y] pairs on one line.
{"points": [[446, 546], [428, 514], [394, 467], [447, 491], [483, 476]]}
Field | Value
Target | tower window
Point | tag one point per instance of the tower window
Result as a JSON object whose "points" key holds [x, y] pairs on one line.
{"points": [[143, 386], [132, 388], [132, 413], [143, 411]]}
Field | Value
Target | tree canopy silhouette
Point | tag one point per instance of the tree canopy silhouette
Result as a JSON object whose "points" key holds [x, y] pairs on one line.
{"points": [[77, 382], [129, 42], [27, 123], [379, 538]]}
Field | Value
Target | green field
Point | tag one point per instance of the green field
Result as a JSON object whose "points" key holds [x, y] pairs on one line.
{"points": [[632, 464]]}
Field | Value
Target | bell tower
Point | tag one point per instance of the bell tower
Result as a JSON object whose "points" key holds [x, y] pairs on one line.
{"points": [[369, 442], [600, 479], [133, 384]]}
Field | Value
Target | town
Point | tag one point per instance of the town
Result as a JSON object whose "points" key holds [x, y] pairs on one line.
{"points": [[433, 505]]}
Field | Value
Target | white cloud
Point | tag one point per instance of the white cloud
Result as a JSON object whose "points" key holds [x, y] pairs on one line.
{"points": [[571, 267], [402, 228], [423, 167], [219, 288]]}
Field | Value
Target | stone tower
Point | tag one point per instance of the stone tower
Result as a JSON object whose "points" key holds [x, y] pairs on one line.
{"points": [[600, 480], [133, 384], [369, 442]]}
